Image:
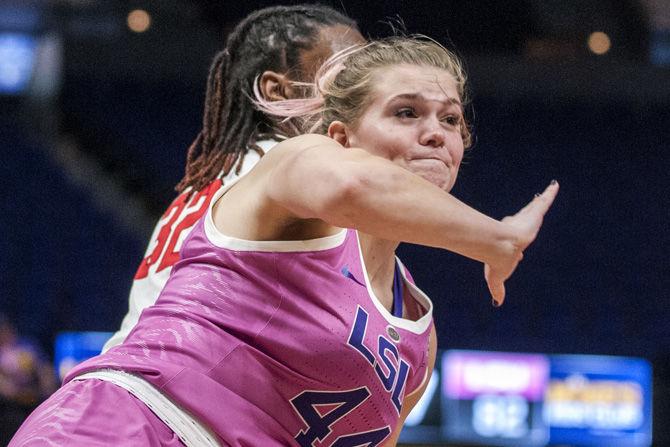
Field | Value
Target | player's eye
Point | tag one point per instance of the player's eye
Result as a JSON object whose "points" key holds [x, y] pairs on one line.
{"points": [[452, 120], [406, 112]]}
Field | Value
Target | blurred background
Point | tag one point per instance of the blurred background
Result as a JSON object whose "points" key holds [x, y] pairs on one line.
{"points": [[99, 101]]}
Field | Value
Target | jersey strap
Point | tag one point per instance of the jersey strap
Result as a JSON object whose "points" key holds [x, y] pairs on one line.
{"points": [[397, 292]]}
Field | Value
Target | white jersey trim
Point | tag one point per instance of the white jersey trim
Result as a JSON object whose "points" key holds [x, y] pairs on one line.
{"points": [[144, 292], [417, 327], [221, 240], [189, 430]]}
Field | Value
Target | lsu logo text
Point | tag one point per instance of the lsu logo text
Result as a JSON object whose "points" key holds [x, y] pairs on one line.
{"points": [[393, 373]]}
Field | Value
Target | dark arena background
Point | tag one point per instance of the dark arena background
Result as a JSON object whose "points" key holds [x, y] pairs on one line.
{"points": [[99, 101]]}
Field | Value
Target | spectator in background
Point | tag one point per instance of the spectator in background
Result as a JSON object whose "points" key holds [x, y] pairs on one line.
{"points": [[26, 378]]}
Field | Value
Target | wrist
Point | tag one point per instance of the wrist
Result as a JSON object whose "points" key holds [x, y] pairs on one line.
{"points": [[506, 247]]}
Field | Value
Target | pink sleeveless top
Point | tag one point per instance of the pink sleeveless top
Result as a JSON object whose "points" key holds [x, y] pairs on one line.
{"points": [[277, 343]]}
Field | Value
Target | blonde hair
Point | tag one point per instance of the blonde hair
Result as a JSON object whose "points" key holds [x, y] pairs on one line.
{"points": [[343, 86]]}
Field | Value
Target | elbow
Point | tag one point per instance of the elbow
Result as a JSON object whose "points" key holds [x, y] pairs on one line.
{"points": [[330, 195], [347, 195], [358, 191]]}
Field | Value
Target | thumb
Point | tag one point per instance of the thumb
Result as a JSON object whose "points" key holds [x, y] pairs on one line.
{"points": [[542, 202], [547, 197]]}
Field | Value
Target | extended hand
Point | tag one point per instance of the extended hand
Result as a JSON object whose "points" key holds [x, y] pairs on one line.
{"points": [[525, 224]]}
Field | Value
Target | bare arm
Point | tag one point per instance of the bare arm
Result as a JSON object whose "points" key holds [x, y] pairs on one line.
{"points": [[314, 179], [350, 188]]}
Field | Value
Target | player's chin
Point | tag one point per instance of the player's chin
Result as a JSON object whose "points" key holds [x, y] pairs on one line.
{"points": [[440, 179]]}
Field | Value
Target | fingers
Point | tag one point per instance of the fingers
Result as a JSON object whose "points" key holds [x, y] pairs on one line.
{"points": [[542, 202], [547, 197], [497, 290], [496, 285]]}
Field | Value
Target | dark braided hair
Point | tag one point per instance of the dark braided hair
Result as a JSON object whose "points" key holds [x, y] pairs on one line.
{"points": [[268, 39]]}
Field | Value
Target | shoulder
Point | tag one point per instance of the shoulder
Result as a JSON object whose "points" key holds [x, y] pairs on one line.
{"points": [[308, 141], [283, 157], [315, 157], [302, 143]]}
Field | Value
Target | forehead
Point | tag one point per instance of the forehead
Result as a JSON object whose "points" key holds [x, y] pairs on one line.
{"points": [[427, 82], [330, 39]]}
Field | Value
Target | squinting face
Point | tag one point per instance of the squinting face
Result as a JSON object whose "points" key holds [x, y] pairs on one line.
{"points": [[414, 120]]}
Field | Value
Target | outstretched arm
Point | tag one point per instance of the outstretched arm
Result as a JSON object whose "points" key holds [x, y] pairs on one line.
{"points": [[312, 179]]}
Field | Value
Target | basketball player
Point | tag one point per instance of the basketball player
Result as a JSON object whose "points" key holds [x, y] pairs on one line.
{"points": [[283, 43], [288, 319]]}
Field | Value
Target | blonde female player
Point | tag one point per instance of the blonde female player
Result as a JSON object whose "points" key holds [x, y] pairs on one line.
{"points": [[289, 320]]}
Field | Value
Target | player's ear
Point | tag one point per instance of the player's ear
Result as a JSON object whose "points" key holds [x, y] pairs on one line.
{"points": [[338, 131], [275, 86]]}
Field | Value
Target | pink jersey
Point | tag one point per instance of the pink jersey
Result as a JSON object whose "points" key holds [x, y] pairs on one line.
{"points": [[166, 241], [277, 343]]}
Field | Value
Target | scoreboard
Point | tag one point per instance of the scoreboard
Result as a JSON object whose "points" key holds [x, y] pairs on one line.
{"points": [[512, 399], [599, 401], [499, 395]]}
